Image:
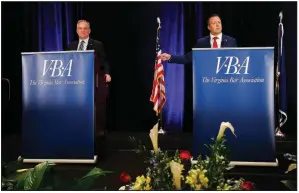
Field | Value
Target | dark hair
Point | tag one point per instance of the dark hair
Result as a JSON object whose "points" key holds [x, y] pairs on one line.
{"points": [[213, 15]]}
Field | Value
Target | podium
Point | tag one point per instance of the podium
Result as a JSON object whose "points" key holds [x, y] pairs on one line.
{"points": [[235, 85], [58, 99]]}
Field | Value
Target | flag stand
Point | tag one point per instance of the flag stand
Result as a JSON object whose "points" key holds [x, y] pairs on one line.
{"points": [[160, 125], [278, 132], [161, 131]]}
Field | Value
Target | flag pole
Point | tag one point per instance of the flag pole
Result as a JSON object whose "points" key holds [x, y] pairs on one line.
{"points": [[160, 123], [277, 130], [161, 131]]}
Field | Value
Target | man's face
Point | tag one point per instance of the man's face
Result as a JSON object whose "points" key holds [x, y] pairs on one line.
{"points": [[215, 26], [83, 30]]}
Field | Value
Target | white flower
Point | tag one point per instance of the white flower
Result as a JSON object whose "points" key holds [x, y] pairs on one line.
{"points": [[154, 137], [122, 188], [223, 127]]}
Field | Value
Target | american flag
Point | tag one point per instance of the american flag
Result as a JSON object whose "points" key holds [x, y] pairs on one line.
{"points": [[281, 90], [158, 96]]}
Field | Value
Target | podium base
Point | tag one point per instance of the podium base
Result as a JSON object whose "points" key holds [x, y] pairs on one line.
{"points": [[270, 164], [242, 163], [63, 161]]}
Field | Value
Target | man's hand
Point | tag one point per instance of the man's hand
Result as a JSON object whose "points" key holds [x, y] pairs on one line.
{"points": [[165, 56], [107, 77]]}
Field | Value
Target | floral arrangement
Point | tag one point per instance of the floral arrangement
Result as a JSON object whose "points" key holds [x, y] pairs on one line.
{"points": [[179, 172]]}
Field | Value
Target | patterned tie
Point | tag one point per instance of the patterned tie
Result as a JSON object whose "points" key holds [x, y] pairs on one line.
{"points": [[215, 43], [81, 45]]}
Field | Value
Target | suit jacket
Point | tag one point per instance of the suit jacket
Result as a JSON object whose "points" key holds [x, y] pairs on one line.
{"points": [[204, 42], [100, 55]]}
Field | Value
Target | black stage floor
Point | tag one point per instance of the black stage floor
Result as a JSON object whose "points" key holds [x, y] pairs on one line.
{"points": [[117, 155]]}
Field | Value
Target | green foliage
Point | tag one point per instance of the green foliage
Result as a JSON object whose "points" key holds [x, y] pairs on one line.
{"points": [[176, 157], [141, 149], [33, 177], [87, 181], [14, 178], [216, 163], [292, 185], [159, 171], [212, 167], [157, 167], [43, 177], [9, 175]]}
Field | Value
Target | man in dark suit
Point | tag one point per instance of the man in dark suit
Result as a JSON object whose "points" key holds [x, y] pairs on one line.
{"points": [[215, 40], [102, 76]]}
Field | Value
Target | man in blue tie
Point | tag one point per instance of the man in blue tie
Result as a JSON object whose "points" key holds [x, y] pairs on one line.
{"points": [[215, 40]]}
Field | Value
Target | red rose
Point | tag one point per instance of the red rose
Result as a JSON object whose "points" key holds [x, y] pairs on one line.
{"points": [[247, 185], [185, 155], [124, 177]]}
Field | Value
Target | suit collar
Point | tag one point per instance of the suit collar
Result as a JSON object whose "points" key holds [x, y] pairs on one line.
{"points": [[85, 40], [220, 36], [208, 43], [89, 44]]}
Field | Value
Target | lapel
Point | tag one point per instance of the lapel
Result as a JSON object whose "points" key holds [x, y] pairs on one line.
{"points": [[74, 45], [207, 43], [90, 44], [223, 41]]}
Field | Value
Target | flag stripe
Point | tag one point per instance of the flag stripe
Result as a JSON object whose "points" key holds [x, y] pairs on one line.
{"points": [[158, 96]]}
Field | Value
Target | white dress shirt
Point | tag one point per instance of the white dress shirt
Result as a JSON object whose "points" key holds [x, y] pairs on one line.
{"points": [[84, 45], [217, 40]]}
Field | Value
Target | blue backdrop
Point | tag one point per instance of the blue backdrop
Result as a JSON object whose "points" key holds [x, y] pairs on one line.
{"points": [[172, 42], [56, 25]]}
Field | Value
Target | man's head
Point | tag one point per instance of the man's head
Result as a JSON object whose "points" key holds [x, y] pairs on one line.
{"points": [[214, 24], [83, 29]]}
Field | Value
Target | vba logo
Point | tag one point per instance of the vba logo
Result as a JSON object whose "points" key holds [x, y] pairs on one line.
{"points": [[232, 65], [55, 68]]}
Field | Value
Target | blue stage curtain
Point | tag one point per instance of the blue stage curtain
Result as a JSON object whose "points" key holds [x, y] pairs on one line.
{"points": [[56, 25], [199, 23], [172, 42]]}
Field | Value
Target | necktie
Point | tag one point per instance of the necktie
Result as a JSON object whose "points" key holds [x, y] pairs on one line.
{"points": [[81, 45], [215, 43]]}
